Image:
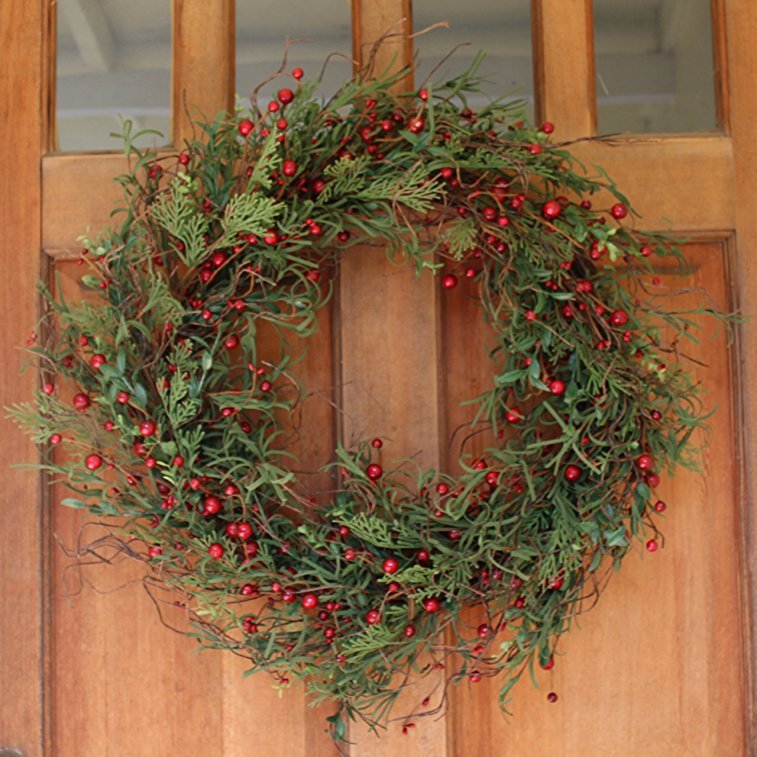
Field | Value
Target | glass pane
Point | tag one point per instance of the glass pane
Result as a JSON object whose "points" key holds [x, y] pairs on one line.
{"points": [[655, 65], [322, 28], [500, 29], [114, 61]]}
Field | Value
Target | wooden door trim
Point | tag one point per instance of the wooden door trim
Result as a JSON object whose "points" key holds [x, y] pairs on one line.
{"points": [[741, 22], [22, 568]]}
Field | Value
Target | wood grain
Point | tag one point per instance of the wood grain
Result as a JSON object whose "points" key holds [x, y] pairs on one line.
{"points": [[252, 708], [741, 26], [388, 20], [121, 683], [666, 663], [682, 182], [389, 367], [22, 526], [203, 62], [563, 45], [647, 671]]}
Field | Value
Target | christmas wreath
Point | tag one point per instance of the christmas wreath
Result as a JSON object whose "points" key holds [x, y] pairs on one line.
{"points": [[173, 435]]}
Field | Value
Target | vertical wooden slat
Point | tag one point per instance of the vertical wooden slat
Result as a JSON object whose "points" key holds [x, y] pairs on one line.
{"points": [[203, 62], [21, 534], [645, 670], [392, 20], [389, 364], [253, 710], [741, 20], [119, 680], [563, 44]]}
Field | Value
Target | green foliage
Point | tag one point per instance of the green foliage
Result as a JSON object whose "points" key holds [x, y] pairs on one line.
{"points": [[186, 404]]}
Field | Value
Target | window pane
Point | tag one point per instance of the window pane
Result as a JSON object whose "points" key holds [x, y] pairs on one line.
{"points": [[114, 60], [501, 29], [323, 27], [655, 65]]}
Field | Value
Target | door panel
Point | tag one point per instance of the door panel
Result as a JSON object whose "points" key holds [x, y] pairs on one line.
{"points": [[656, 666], [660, 667]]}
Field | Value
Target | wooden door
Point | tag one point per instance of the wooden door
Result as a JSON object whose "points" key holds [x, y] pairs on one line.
{"points": [[663, 666]]}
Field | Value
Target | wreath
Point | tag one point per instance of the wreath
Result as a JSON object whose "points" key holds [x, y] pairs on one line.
{"points": [[174, 436]]}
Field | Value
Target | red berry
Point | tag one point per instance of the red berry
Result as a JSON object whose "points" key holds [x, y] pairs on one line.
{"points": [[431, 604], [449, 281], [475, 676], [423, 556], [216, 551], [483, 630], [211, 505], [244, 531], [55, 439], [178, 461], [409, 631], [556, 386], [652, 545], [390, 565], [122, 397], [513, 416], [549, 664], [377, 444], [81, 401], [245, 127], [48, 388], [551, 697], [416, 125], [231, 341], [97, 360], [645, 462], [547, 127], [660, 506], [551, 209], [372, 617], [147, 428], [374, 471], [556, 583], [289, 168], [93, 462], [492, 478], [270, 237], [285, 96], [297, 73], [619, 211], [619, 318], [184, 159], [572, 473], [309, 601]]}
